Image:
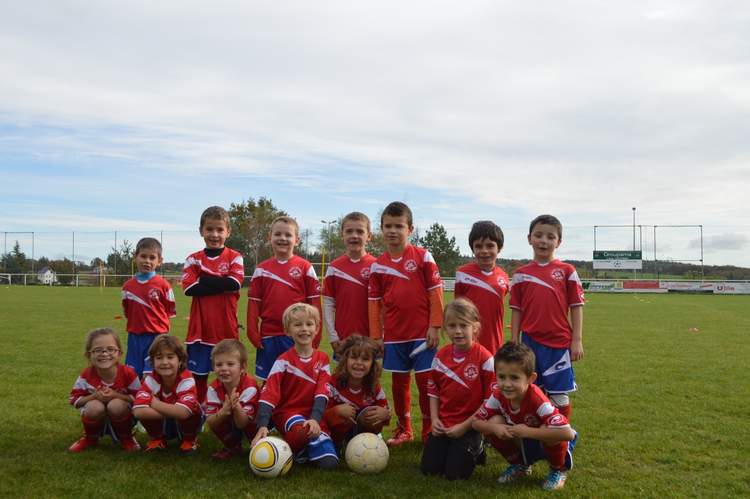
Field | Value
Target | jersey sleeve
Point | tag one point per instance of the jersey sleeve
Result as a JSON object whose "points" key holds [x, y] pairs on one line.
{"points": [[213, 402], [380, 399], [516, 293], [271, 392], [491, 407], [487, 373], [187, 396], [169, 302], [190, 273], [433, 390], [312, 285], [431, 271], [548, 414], [375, 284], [255, 289], [324, 378], [81, 388], [574, 290], [329, 283], [132, 380], [237, 269], [144, 396], [249, 401]]}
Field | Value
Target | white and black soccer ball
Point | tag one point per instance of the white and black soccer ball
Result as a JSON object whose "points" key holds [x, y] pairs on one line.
{"points": [[270, 457], [366, 453]]}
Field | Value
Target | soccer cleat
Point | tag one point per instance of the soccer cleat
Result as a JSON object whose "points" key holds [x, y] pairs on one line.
{"points": [[400, 437], [555, 480], [188, 446], [513, 472], [82, 444], [130, 444], [227, 453], [156, 444]]}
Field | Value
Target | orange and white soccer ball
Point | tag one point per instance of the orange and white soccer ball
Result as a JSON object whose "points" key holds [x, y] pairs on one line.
{"points": [[270, 457], [366, 453]]}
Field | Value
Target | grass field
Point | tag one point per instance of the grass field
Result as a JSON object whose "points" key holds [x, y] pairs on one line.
{"points": [[662, 411]]}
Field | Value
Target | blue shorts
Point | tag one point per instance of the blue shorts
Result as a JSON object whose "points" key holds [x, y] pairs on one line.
{"points": [[137, 356], [273, 346], [553, 367], [316, 449], [532, 451], [408, 356], [199, 358]]}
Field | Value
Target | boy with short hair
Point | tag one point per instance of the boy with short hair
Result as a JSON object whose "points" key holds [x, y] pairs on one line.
{"points": [[212, 277], [277, 283], [405, 313], [521, 423], [232, 399], [148, 304], [346, 281], [484, 283], [295, 395], [542, 294]]}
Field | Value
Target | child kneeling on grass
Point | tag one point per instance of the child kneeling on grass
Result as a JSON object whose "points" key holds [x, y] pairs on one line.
{"points": [[232, 399], [295, 394], [104, 392], [521, 422], [167, 403]]}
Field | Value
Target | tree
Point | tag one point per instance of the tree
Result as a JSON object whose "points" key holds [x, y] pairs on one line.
{"points": [[251, 224], [443, 249], [120, 260], [15, 262], [64, 269], [331, 243]]}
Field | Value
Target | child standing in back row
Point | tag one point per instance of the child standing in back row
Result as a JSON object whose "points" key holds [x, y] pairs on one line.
{"points": [[546, 298], [277, 283], [148, 304], [484, 283], [405, 312], [346, 281], [212, 277]]}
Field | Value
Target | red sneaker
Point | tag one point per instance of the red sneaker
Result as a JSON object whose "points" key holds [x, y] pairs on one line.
{"points": [[188, 446], [227, 453], [400, 437], [156, 444], [130, 444], [82, 444]]}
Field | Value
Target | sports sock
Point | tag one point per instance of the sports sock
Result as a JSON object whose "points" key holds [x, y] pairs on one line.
{"points": [[92, 428], [402, 399], [201, 386], [154, 427], [123, 427], [566, 410], [228, 437], [556, 455], [189, 427], [508, 448], [424, 403], [337, 424]]}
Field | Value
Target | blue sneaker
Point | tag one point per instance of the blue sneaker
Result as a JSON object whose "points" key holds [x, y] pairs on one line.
{"points": [[513, 472], [555, 480]]}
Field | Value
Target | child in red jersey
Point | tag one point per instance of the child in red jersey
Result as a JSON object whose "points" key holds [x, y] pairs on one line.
{"points": [[346, 281], [148, 304], [460, 380], [277, 283], [405, 312], [543, 295], [358, 403], [484, 283], [167, 404], [521, 422], [295, 394], [232, 399], [213, 278], [104, 392]]}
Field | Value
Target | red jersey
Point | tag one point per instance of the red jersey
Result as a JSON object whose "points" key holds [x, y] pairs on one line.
{"points": [[460, 383], [183, 393], [345, 285], [247, 390], [535, 411], [402, 284], [293, 384], [486, 290], [358, 398], [126, 382], [213, 317], [543, 294], [277, 284], [148, 305]]}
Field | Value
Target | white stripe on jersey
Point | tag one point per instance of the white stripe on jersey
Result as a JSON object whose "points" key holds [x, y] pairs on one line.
{"points": [[464, 278], [185, 384], [127, 295], [382, 269], [212, 397], [442, 368], [311, 273], [428, 257], [545, 409], [82, 384], [238, 260], [281, 366], [519, 278], [152, 384], [333, 271], [135, 385], [489, 365], [248, 394], [337, 396], [270, 275]]}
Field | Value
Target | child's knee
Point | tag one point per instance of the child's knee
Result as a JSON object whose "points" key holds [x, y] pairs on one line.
{"points": [[94, 410], [118, 409], [297, 437]]}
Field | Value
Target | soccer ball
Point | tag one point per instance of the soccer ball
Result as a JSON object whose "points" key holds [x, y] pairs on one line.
{"points": [[366, 453], [270, 457]]}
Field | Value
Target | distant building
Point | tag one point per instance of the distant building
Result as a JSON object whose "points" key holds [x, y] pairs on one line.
{"points": [[46, 276]]}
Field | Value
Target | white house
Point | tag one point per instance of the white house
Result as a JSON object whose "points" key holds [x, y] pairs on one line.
{"points": [[47, 276]]}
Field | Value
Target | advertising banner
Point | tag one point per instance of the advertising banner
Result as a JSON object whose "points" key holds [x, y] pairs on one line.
{"points": [[618, 260]]}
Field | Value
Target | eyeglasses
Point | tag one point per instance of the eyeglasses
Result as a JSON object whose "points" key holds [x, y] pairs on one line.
{"points": [[103, 350]]}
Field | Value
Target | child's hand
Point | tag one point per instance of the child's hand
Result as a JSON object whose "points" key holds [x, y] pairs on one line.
{"points": [[226, 407], [576, 350], [347, 411], [234, 399], [456, 431], [518, 431], [313, 428], [374, 415], [105, 394], [261, 433], [501, 432], [336, 347], [437, 427], [433, 337]]}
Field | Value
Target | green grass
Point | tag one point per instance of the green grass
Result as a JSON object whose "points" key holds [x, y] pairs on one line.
{"points": [[661, 411]]}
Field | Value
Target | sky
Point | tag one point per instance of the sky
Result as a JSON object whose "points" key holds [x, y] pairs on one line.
{"points": [[132, 117]]}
